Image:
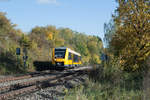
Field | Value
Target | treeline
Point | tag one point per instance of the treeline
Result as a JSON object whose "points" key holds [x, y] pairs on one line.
{"points": [[39, 43], [46, 38]]}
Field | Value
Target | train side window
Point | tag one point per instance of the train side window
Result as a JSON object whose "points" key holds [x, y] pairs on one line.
{"points": [[80, 58], [69, 57]]}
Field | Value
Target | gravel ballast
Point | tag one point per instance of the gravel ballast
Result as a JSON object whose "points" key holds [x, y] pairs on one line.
{"points": [[55, 91]]}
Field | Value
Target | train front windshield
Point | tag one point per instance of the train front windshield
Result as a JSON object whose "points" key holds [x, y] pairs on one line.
{"points": [[60, 53]]}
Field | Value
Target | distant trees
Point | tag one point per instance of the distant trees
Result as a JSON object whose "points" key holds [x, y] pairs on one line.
{"points": [[5, 24], [25, 41], [88, 46], [66, 34], [38, 34]]}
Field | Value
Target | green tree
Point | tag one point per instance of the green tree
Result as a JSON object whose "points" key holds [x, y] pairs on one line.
{"points": [[131, 42], [25, 41], [40, 36], [5, 24]]}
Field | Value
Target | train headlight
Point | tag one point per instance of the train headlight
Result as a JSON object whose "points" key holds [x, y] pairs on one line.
{"points": [[58, 64]]}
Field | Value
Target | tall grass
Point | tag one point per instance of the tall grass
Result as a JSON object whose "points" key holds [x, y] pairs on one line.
{"points": [[109, 82], [97, 91]]}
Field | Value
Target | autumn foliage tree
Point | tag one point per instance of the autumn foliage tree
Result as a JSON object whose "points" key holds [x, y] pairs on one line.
{"points": [[131, 41]]}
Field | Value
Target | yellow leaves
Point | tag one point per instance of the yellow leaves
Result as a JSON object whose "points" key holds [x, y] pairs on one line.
{"points": [[97, 59], [34, 45], [25, 41], [135, 67], [122, 62], [134, 54], [132, 39], [59, 42], [49, 36], [85, 59], [147, 54], [65, 90], [92, 46]]}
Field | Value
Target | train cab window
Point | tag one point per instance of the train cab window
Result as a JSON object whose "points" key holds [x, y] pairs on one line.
{"points": [[75, 58], [69, 56], [60, 53]]}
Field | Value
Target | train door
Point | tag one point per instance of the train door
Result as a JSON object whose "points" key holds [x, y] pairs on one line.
{"points": [[70, 62]]}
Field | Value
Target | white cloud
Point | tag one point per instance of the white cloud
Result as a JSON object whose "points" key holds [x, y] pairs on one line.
{"points": [[47, 1]]}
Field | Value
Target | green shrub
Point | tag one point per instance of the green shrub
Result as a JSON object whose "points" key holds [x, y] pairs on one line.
{"points": [[10, 63]]}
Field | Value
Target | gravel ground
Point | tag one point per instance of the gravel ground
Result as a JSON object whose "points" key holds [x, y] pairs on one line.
{"points": [[14, 75], [55, 91], [27, 80], [4, 76], [21, 81]]}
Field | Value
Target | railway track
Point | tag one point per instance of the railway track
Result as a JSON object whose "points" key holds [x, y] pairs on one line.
{"points": [[30, 75], [13, 78], [24, 84]]}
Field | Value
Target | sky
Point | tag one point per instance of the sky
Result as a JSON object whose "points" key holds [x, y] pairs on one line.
{"points": [[87, 16]]}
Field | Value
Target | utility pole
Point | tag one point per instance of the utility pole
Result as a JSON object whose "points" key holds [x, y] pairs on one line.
{"points": [[25, 54]]}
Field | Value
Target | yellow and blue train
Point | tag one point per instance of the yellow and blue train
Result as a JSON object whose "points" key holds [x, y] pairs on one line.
{"points": [[65, 57]]}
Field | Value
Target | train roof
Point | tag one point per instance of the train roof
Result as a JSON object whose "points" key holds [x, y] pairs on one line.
{"points": [[69, 50], [61, 48]]}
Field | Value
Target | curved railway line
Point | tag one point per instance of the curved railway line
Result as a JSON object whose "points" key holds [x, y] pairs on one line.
{"points": [[13, 86]]}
